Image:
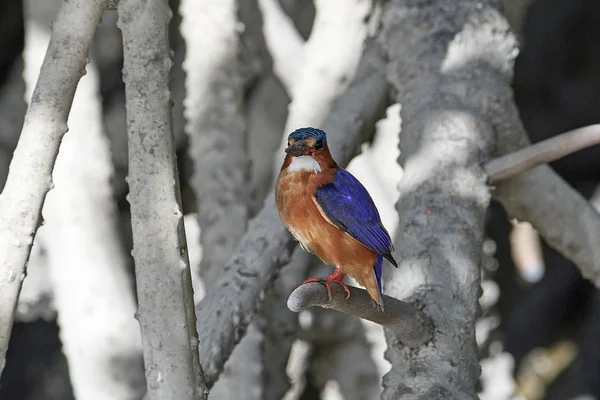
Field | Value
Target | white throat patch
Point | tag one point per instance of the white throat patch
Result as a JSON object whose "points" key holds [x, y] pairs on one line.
{"points": [[304, 163]]}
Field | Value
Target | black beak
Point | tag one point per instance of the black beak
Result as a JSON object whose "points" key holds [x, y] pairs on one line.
{"points": [[296, 149]]}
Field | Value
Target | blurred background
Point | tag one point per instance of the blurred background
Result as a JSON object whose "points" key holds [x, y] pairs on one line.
{"points": [[539, 335]]}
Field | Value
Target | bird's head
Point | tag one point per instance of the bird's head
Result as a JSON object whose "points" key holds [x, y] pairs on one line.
{"points": [[306, 142]]}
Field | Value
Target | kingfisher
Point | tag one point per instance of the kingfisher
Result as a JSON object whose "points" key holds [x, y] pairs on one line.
{"points": [[331, 214]]}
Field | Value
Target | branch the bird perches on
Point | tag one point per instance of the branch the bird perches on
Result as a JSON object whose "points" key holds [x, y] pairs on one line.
{"points": [[401, 317]]}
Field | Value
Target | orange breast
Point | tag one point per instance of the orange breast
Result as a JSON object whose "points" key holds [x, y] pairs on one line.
{"points": [[303, 218]]}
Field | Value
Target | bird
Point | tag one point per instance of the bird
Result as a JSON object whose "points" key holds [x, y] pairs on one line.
{"points": [[332, 215]]}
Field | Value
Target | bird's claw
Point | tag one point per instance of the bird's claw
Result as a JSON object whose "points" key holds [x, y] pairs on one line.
{"points": [[327, 283]]}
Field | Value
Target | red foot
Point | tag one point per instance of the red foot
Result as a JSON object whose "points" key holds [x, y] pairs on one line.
{"points": [[336, 277]]}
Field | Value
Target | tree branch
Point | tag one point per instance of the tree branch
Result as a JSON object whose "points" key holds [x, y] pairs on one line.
{"points": [[87, 266], [266, 246], [29, 177], [165, 296], [543, 152], [401, 318]]}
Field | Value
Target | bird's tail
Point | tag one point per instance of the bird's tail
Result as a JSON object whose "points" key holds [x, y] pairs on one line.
{"points": [[378, 269]]}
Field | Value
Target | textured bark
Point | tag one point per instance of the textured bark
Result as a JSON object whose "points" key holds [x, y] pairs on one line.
{"points": [[444, 59], [266, 246], [165, 296], [45, 124]]}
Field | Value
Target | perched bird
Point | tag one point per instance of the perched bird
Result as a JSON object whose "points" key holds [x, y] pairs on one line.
{"points": [[331, 214]]}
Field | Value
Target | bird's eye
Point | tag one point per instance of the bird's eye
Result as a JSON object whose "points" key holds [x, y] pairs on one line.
{"points": [[319, 144]]}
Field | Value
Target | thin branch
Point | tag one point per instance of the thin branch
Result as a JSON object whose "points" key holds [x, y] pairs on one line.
{"points": [[164, 287], [542, 152], [401, 318], [45, 124], [266, 246]]}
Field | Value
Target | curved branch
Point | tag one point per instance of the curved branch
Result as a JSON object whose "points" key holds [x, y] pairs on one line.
{"points": [[543, 152], [403, 319]]}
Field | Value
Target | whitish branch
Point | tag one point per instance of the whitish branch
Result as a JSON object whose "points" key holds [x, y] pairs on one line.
{"points": [[236, 296], [92, 291], [331, 55], [401, 318], [215, 89], [284, 42], [45, 124], [165, 296], [543, 152]]}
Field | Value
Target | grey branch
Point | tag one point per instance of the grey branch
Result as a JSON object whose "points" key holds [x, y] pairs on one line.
{"points": [[340, 352], [564, 218], [543, 152], [29, 178], [165, 297], [233, 300], [403, 319], [442, 56], [562, 209]]}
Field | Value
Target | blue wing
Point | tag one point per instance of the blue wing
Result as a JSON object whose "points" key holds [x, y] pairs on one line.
{"points": [[348, 205]]}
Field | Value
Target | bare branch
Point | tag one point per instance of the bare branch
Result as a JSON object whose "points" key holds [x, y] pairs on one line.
{"points": [[266, 245], [86, 264], [563, 217], [45, 124], [165, 296], [403, 319], [543, 152]]}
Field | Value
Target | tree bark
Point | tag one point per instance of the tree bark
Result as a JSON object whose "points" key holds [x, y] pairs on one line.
{"points": [[45, 124], [442, 58], [165, 296]]}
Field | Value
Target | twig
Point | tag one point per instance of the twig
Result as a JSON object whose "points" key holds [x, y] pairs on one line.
{"points": [[165, 296], [45, 124], [266, 246], [543, 152], [401, 318]]}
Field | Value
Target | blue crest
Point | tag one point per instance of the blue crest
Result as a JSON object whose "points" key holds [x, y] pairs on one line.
{"points": [[303, 133]]}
